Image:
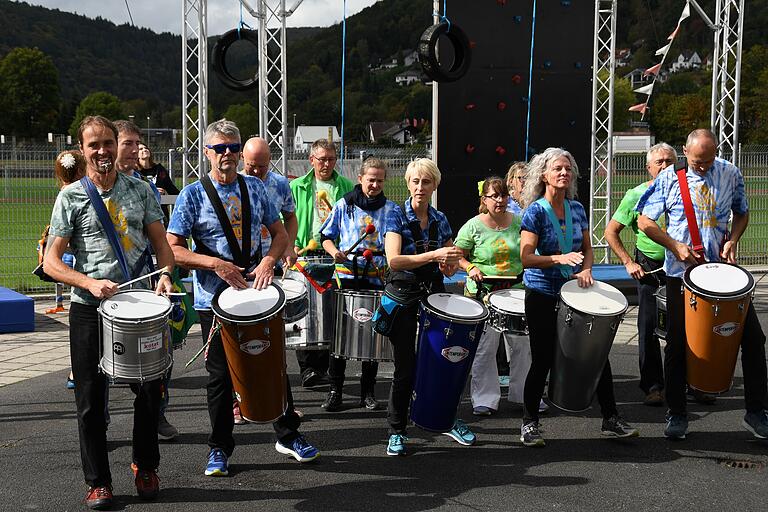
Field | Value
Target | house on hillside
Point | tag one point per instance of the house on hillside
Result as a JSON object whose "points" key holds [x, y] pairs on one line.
{"points": [[636, 78], [686, 60], [409, 77], [306, 135], [410, 57], [381, 131], [623, 56]]}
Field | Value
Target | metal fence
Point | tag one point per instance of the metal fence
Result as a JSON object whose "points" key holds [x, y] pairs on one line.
{"points": [[28, 191]]}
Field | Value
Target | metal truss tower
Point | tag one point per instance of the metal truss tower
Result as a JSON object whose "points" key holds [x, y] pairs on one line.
{"points": [[603, 66], [194, 87]]}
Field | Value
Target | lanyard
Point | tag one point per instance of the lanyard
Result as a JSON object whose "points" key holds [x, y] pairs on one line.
{"points": [[564, 240]]}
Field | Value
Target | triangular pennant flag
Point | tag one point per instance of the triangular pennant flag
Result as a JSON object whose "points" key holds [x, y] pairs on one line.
{"points": [[686, 13], [646, 89], [640, 107], [653, 70], [674, 33], [663, 50]]}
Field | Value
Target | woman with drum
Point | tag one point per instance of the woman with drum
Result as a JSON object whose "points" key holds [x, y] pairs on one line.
{"points": [[490, 242], [419, 249], [361, 268], [554, 248]]}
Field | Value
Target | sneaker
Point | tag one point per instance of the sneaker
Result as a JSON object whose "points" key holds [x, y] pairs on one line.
{"points": [[461, 434], [616, 426], [239, 420], [147, 484], [654, 398], [700, 397], [396, 445], [54, 310], [677, 427], [369, 402], [482, 410], [299, 449], [217, 463], [313, 378], [757, 423], [99, 498], [543, 407], [504, 381], [530, 434], [165, 430], [332, 402], [70, 383]]}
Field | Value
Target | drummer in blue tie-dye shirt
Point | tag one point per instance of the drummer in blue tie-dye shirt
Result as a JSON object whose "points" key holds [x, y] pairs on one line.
{"points": [[364, 205], [716, 193]]}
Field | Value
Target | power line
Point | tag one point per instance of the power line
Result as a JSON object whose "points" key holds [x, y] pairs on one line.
{"points": [[129, 12]]}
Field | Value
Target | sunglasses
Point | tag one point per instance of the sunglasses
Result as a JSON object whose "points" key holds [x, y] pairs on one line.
{"points": [[220, 149]]}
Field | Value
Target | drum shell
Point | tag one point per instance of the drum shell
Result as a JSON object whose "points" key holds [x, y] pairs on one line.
{"points": [[121, 358], [507, 321], [661, 312], [355, 337], [446, 349], [296, 308], [581, 351], [315, 330], [710, 356], [258, 376]]}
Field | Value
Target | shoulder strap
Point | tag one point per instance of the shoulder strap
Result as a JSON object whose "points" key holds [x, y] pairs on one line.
{"points": [[241, 256], [106, 224], [245, 199], [680, 169]]}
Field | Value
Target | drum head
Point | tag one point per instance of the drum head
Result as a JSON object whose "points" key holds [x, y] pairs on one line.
{"points": [[292, 288], [248, 304], [135, 305], [510, 301], [719, 280], [456, 307], [601, 299]]}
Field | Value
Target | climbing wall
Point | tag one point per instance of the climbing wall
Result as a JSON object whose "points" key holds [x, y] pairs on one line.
{"points": [[483, 117]]}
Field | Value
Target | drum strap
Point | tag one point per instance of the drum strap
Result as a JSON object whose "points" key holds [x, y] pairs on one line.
{"points": [[242, 257], [564, 240], [690, 214]]}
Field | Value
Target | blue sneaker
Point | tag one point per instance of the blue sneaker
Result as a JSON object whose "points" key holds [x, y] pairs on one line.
{"points": [[461, 434], [396, 444], [677, 427], [217, 463], [757, 423], [299, 449], [504, 381]]}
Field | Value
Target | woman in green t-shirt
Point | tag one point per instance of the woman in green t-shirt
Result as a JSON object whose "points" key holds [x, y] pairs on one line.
{"points": [[491, 245]]}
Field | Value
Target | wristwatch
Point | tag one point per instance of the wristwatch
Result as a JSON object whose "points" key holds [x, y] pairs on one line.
{"points": [[166, 273]]}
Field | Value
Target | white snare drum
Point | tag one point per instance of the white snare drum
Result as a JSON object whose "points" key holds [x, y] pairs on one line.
{"points": [[507, 311], [296, 299], [135, 340]]}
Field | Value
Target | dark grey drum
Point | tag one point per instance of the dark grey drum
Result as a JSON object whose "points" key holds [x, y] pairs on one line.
{"points": [[587, 320], [355, 337]]}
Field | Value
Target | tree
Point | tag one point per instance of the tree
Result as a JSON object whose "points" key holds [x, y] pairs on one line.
{"points": [[30, 98], [246, 117], [623, 98], [97, 104]]}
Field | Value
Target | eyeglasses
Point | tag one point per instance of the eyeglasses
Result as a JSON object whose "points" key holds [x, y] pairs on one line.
{"points": [[497, 197], [327, 160], [220, 149]]}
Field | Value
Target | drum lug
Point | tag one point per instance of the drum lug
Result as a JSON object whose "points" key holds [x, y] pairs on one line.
{"points": [[716, 308], [589, 324], [569, 318], [692, 301], [471, 336], [448, 332], [741, 306], [426, 323]]}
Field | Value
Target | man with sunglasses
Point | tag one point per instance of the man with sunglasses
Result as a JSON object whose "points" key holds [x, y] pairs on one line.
{"points": [[315, 193], [649, 256], [213, 263]]}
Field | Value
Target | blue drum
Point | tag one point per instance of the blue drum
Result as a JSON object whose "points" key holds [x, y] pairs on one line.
{"points": [[449, 330]]}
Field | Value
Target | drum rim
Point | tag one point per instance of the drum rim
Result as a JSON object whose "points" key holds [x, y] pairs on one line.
{"points": [[590, 313], [492, 306], [694, 288], [463, 320], [152, 318], [360, 293], [289, 300], [246, 320]]}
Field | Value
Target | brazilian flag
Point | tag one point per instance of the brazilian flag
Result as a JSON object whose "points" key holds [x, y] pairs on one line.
{"points": [[183, 316]]}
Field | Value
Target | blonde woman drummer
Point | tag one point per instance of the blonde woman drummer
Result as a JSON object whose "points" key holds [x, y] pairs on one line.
{"points": [[554, 248]]}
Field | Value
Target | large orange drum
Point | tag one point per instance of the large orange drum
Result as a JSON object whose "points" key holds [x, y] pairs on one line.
{"points": [[717, 297], [253, 334]]}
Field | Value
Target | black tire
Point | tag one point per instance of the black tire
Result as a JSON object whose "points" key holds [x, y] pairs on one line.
{"points": [[220, 62], [428, 52]]}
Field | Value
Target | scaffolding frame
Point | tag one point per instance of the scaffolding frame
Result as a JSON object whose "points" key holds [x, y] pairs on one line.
{"points": [[194, 87]]}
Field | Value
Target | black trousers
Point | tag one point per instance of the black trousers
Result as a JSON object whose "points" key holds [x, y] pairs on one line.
{"points": [[541, 315], [403, 339], [219, 391], [752, 354], [336, 375], [90, 397], [651, 365]]}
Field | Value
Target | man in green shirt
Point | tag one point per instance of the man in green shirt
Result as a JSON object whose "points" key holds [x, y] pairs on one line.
{"points": [[649, 256], [315, 193]]}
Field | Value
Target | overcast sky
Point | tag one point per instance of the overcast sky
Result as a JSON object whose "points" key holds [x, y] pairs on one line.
{"points": [[223, 15]]}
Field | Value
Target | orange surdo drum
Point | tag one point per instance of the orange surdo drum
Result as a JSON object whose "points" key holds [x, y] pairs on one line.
{"points": [[717, 297], [253, 334]]}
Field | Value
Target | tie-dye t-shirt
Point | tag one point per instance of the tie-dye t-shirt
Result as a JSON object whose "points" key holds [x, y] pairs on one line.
{"points": [[321, 209], [131, 205], [194, 216], [714, 195], [279, 192]]}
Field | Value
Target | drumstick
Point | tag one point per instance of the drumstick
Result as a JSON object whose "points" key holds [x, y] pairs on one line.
{"points": [[653, 271], [311, 246], [194, 357], [370, 228], [500, 278], [322, 195], [164, 269]]}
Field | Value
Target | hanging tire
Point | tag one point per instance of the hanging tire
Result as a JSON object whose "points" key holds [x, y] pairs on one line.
{"points": [[220, 63], [428, 52]]}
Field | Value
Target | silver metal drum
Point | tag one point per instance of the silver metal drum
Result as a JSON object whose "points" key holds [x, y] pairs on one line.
{"points": [[315, 330], [661, 312], [587, 320], [507, 311], [296, 299], [135, 340], [355, 337]]}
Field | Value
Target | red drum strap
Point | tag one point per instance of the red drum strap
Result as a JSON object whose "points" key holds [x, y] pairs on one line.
{"points": [[690, 215]]}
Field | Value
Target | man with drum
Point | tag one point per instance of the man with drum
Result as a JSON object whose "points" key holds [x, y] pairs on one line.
{"points": [[212, 259], [649, 257], [315, 193], [137, 220], [717, 191]]}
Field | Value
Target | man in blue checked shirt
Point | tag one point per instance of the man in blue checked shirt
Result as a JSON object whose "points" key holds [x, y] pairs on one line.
{"points": [[717, 192]]}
